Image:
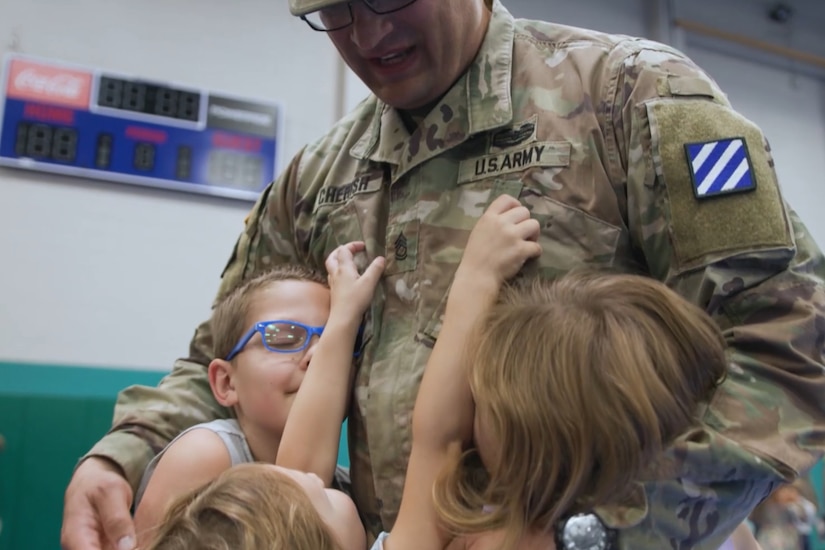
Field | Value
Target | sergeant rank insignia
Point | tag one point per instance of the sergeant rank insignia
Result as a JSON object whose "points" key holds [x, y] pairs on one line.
{"points": [[720, 167]]}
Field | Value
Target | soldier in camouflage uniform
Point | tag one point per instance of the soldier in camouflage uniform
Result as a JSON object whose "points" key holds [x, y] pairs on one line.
{"points": [[629, 156]]}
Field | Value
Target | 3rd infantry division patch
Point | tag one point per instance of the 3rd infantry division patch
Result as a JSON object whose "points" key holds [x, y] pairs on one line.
{"points": [[720, 167]]}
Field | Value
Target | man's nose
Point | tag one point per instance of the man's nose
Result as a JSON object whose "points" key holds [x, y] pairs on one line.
{"points": [[368, 27]]}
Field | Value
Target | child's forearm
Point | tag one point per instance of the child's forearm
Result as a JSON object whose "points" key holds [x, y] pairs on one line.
{"points": [[443, 415], [312, 434], [418, 526], [444, 407]]}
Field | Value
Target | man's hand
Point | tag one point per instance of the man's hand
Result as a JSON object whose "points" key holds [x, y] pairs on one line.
{"points": [[96, 509]]}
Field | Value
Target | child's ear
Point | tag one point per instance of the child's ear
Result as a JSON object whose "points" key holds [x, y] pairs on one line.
{"points": [[220, 379]]}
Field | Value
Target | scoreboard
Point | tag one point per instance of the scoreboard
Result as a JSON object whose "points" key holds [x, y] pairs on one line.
{"points": [[84, 122]]}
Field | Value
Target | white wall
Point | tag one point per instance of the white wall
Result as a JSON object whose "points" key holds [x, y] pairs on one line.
{"points": [[97, 273], [113, 275]]}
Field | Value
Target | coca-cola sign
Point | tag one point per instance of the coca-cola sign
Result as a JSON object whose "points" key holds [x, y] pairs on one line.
{"points": [[30, 80]]}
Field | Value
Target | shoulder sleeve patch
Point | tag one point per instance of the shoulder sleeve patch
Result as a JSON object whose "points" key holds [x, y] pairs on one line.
{"points": [[720, 167], [707, 156]]}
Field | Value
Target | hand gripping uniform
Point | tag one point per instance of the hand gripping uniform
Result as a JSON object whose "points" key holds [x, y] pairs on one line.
{"points": [[630, 157]]}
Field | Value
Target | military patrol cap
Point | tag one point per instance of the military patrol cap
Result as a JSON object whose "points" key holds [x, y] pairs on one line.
{"points": [[303, 7]]}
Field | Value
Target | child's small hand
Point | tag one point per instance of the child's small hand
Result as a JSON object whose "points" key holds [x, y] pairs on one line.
{"points": [[503, 239], [351, 292]]}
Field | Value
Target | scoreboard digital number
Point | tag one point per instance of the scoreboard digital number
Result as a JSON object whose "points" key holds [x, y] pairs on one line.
{"points": [[83, 122]]}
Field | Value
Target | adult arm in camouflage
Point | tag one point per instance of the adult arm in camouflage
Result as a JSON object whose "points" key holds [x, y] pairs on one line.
{"points": [[749, 261], [625, 153]]}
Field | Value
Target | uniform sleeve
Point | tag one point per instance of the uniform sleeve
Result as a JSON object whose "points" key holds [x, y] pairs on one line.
{"points": [[706, 214], [146, 419]]}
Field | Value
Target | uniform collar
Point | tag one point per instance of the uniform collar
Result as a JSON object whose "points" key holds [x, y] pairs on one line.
{"points": [[479, 101]]}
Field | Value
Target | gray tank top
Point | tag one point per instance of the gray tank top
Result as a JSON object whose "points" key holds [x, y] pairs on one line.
{"points": [[230, 433]]}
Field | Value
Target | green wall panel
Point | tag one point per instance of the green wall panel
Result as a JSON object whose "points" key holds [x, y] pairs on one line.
{"points": [[49, 417]]}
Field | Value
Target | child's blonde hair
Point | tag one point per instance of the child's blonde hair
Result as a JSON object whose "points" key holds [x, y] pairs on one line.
{"points": [[247, 507], [581, 382], [229, 322]]}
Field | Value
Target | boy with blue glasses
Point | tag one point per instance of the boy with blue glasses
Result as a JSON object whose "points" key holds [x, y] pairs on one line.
{"points": [[267, 333]]}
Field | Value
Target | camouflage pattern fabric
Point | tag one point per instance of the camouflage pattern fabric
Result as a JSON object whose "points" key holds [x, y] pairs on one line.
{"points": [[589, 131]]}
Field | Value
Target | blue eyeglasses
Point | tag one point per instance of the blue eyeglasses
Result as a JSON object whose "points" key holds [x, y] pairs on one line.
{"points": [[279, 336]]}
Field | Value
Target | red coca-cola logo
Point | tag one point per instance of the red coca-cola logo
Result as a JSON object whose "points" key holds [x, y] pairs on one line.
{"points": [[60, 85], [30, 80]]}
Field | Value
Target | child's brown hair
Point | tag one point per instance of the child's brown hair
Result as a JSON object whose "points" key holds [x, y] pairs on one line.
{"points": [[247, 507], [580, 382], [229, 321]]}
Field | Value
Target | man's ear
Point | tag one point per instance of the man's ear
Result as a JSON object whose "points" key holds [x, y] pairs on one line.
{"points": [[220, 379]]}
